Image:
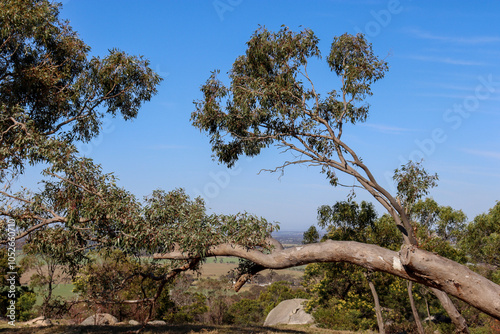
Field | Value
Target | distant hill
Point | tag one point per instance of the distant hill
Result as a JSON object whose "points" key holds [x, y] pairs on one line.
{"points": [[289, 237], [292, 237]]}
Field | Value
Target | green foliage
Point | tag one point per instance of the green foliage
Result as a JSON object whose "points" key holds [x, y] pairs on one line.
{"points": [[25, 305], [112, 276], [413, 182], [438, 228], [174, 220], [311, 235], [352, 58], [346, 317], [347, 220], [385, 234], [271, 98], [278, 292], [51, 91], [246, 312], [188, 313], [442, 221], [481, 239]]}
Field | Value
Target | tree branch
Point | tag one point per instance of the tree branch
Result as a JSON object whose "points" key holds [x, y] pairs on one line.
{"points": [[411, 264]]}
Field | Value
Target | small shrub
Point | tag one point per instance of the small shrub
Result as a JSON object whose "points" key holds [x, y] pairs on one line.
{"points": [[25, 305], [246, 312]]}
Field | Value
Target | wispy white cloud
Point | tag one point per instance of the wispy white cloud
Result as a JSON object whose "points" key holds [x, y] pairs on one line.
{"points": [[456, 39], [448, 60], [486, 154], [389, 129]]}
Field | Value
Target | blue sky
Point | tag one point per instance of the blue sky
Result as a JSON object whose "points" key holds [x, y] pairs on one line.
{"points": [[439, 101]]}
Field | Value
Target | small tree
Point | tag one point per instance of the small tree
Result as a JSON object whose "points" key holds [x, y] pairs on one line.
{"points": [[481, 238], [47, 253], [311, 235], [117, 283]]}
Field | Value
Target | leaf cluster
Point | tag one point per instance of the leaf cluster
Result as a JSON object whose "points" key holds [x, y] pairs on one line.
{"points": [[413, 183], [271, 98]]}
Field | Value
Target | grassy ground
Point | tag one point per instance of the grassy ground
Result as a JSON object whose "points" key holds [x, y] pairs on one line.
{"points": [[63, 290], [215, 270], [173, 329]]}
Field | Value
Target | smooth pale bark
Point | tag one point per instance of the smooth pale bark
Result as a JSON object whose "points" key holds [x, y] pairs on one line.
{"points": [[378, 310], [455, 316], [411, 263], [416, 317]]}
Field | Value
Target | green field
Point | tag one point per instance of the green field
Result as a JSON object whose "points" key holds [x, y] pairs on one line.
{"points": [[63, 290]]}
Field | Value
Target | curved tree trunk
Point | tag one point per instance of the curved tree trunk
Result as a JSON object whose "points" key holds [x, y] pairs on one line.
{"points": [[410, 263]]}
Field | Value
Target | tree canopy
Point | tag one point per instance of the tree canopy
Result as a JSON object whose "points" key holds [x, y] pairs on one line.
{"points": [[51, 91], [272, 99]]}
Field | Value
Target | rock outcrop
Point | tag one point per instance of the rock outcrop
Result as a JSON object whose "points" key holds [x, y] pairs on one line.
{"points": [[100, 319], [289, 312]]}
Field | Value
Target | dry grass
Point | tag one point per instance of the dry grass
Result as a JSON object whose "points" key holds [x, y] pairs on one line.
{"points": [[170, 329], [215, 270]]}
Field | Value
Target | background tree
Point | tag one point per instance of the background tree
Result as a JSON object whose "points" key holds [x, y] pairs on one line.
{"points": [[51, 91], [480, 243], [311, 235], [481, 239], [342, 289]]}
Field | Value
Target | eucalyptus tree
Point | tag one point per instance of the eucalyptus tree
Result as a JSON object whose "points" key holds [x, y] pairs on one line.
{"points": [[52, 91], [271, 99]]}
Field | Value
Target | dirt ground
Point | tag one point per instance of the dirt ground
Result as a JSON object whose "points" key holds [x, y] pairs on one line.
{"points": [[169, 329]]}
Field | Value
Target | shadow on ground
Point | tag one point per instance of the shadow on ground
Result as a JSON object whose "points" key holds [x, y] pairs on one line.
{"points": [[174, 329]]}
